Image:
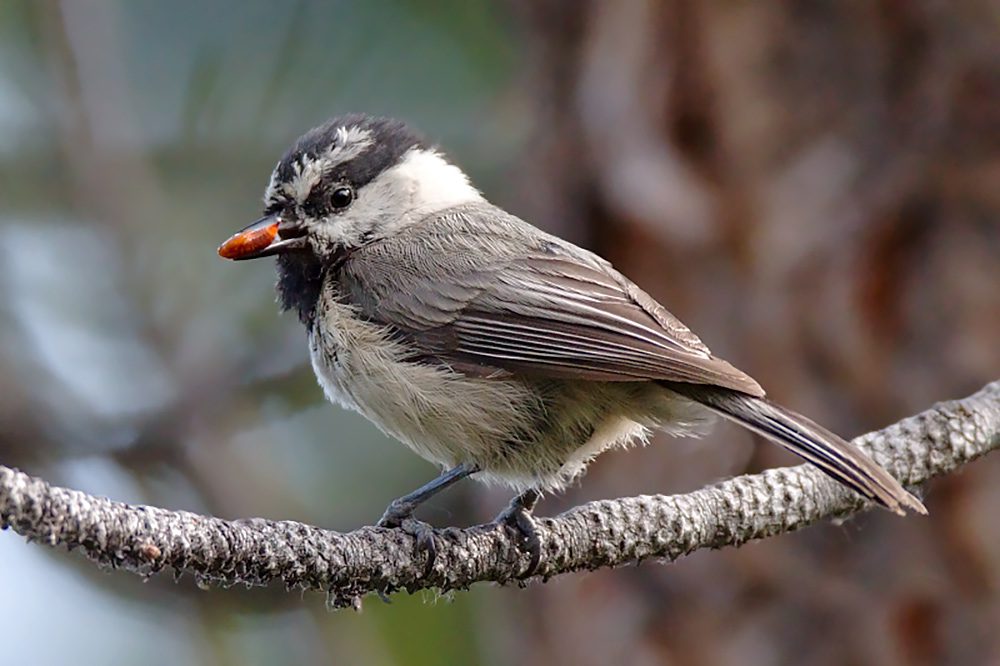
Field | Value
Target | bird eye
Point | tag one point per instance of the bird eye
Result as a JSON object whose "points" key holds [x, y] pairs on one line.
{"points": [[342, 197]]}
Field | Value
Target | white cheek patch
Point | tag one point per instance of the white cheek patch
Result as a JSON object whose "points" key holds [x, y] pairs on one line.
{"points": [[431, 182], [421, 184]]}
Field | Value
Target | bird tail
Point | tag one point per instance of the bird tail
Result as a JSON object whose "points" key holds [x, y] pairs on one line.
{"points": [[835, 456]]}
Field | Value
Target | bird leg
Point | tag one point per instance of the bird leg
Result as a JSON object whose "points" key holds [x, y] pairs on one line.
{"points": [[399, 513], [518, 515]]}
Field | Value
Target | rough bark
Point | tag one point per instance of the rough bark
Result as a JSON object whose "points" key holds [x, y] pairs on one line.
{"points": [[608, 533]]}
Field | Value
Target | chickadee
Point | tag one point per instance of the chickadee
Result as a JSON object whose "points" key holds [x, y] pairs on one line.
{"points": [[487, 346]]}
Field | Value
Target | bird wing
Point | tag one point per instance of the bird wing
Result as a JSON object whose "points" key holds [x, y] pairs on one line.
{"points": [[490, 295]]}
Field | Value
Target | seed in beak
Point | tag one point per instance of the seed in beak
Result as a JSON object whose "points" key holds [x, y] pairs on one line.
{"points": [[248, 242]]}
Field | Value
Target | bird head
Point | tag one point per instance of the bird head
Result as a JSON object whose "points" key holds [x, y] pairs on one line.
{"points": [[351, 181]]}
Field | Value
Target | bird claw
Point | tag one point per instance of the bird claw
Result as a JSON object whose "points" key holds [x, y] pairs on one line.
{"points": [[399, 515], [520, 518]]}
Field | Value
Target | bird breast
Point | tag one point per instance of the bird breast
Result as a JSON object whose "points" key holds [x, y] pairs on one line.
{"points": [[443, 415]]}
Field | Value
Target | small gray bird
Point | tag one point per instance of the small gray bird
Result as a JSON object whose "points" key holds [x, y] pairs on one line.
{"points": [[484, 344]]}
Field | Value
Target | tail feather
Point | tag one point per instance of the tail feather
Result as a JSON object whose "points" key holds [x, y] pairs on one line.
{"points": [[835, 456]]}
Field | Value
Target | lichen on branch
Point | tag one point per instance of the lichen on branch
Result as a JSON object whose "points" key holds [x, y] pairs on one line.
{"points": [[147, 540]]}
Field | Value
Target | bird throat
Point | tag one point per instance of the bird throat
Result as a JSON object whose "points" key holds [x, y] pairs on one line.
{"points": [[300, 280]]}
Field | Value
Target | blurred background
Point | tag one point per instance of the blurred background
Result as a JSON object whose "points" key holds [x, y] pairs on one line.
{"points": [[813, 187]]}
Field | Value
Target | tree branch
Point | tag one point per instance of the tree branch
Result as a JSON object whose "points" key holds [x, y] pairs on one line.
{"points": [[146, 540]]}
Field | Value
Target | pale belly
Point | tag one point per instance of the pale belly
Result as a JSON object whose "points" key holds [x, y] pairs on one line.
{"points": [[444, 416], [523, 434]]}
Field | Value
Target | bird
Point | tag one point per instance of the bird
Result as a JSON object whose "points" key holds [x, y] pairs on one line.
{"points": [[489, 347]]}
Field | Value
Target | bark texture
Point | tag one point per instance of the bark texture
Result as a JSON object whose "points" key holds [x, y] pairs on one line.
{"points": [[147, 540]]}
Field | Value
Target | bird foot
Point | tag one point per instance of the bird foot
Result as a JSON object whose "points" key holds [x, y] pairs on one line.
{"points": [[399, 514], [518, 515]]}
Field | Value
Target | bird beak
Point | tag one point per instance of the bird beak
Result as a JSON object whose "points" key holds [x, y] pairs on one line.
{"points": [[260, 239]]}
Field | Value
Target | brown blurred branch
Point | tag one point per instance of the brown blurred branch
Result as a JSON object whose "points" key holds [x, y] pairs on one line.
{"points": [[607, 533]]}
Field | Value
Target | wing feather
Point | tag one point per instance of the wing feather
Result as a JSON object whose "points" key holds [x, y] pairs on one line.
{"points": [[490, 295]]}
